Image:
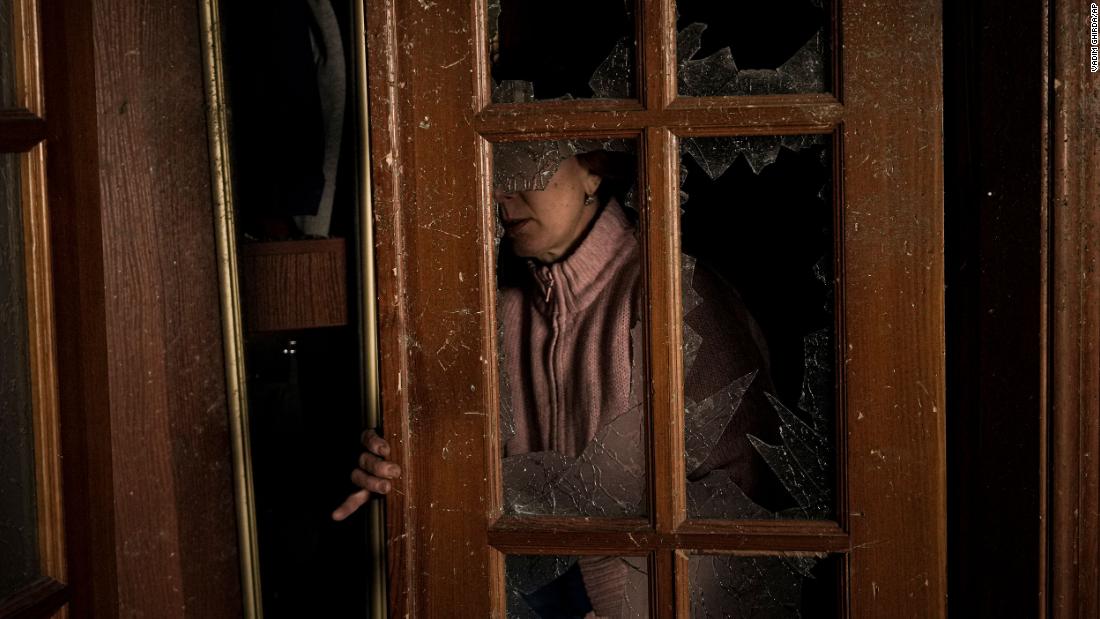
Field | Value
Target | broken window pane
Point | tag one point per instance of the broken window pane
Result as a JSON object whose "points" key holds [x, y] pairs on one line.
{"points": [[572, 418], [757, 282], [18, 510], [561, 49], [752, 48], [546, 586], [795, 586]]}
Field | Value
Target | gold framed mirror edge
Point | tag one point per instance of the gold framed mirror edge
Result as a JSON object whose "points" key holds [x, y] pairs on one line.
{"points": [[376, 519], [229, 293], [232, 327]]}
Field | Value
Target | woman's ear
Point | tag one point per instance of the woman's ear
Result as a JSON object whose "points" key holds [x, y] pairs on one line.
{"points": [[590, 181]]}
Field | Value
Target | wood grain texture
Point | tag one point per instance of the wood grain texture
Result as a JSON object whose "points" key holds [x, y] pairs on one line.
{"points": [[142, 382], [697, 115], [390, 265], [449, 381], [1074, 318], [289, 285], [892, 266], [79, 296]]}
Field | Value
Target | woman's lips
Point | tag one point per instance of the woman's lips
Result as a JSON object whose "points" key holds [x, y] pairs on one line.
{"points": [[512, 226]]}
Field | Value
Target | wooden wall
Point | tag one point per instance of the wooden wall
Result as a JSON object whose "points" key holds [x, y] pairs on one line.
{"points": [[148, 485]]}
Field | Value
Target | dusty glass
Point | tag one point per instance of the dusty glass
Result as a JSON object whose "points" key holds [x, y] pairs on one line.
{"points": [[794, 586], [7, 59], [540, 586], [759, 341], [752, 48], [18, 511], [561, 49], [572, 417]]}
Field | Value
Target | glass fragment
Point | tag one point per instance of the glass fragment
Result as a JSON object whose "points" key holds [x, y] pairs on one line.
{"points": [[761, 48], [794, 586], [18, 508], [758, 357], [543, 50], [554, 586]]}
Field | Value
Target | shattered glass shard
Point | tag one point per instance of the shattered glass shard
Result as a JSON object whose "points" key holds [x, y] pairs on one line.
{"points": [[705, 422], [607, 479], [777, 58], [718, 496], [529, 63], [716, 155], [748, 586], [612, 78], [818, 385]]}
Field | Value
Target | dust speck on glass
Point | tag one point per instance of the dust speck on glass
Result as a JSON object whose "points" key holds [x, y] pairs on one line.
{"points": [[752, 48], [792, 586], [561, 49], [756, 216], [7, 60], [544, 586], [18, 509]]}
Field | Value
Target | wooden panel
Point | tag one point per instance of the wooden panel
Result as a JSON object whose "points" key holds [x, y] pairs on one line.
{"points": [[547, 536], [1074, 317], [143, 391], [386, 139], [892, 266], [703, 115], [448, 279], [294, 284]]}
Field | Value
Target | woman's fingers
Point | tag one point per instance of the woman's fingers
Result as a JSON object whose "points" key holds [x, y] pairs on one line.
{"points": [[369, 482], [378, 467], [350, 504], [373, 474], [375, 444]]}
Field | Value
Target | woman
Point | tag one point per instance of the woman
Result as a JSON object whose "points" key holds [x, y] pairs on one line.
{"points": [[570, 307]]}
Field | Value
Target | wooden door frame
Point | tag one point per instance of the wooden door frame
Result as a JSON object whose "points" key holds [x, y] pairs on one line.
{"points": [[408, 148], [1072, 318]]}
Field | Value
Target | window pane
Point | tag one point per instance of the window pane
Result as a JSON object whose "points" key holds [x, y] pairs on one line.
{"points": [[758, 47], [759, 381], [561, 49], [569, 278], [7, 60], [18, 517], [540, 586], [802, 586]]}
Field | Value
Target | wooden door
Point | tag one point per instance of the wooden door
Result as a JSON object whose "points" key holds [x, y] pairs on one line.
{"points": [[872, 118]]}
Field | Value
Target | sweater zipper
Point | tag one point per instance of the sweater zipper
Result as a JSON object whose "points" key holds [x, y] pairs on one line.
{"points": [[549, 286]]}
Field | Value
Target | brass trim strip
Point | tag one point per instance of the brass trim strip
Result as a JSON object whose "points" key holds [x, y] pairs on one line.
{"points": [[376, 527], [221, 180]]}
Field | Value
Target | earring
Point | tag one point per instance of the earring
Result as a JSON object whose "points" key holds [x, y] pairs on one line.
{"points": [[588, 199]]}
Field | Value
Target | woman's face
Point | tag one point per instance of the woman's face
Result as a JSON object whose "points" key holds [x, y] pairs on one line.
{"points": [[545, 225]]}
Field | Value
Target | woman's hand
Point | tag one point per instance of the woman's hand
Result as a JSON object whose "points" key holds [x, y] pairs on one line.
{"points": [[373, 475]]}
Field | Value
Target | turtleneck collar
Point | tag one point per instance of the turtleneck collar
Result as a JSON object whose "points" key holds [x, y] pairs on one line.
{"points": [[570, 284]]}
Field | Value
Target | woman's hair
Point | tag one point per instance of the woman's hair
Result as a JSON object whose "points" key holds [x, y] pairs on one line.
{"points": [[616, 172]]}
